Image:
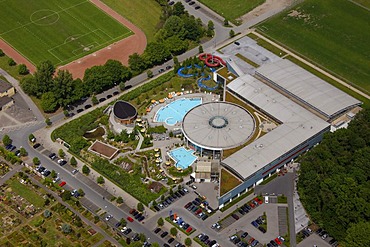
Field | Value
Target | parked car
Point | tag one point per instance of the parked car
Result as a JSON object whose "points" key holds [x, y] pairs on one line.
{"points": [[164, 234], [157, 230], [108, 217], [235, 216], [52, 156], [130, 219], [36, 145], [62, 184]]}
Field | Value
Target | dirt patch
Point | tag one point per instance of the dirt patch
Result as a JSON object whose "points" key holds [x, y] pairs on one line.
{"points": [[269, 5], [120, 50]]}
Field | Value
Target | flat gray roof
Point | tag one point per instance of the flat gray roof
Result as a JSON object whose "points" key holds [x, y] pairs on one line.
{"points": [[4, 86], [307, 88], [218, 125], [298, 125]]}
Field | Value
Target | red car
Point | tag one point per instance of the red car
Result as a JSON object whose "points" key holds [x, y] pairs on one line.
{"points": [[130, 219], [277, 240], [132, 211], [258, 200], [189, 229], [252, 205], [62, 184]]}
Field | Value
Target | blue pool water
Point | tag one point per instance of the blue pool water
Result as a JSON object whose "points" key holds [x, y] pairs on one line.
{"points": [[183, 158], [175, 111]]}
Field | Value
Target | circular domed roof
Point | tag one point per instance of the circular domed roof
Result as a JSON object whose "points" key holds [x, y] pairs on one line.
{"points": [[218, 125], [124, 110]]}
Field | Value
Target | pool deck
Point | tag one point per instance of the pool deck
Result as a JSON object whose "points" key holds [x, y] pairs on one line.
{"points": [[206, 97]]}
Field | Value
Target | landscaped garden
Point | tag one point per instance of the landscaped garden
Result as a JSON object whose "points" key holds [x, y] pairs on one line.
{"points": [[31, 217]]}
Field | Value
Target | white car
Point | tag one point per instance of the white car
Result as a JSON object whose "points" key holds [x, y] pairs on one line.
{"points": [[123, 229], [56, 179], [194, 187], [108, 217]]}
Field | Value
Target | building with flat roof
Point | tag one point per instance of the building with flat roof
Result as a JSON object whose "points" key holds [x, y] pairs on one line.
{"points": [[6, 89], [306, 88], [216, 126]]}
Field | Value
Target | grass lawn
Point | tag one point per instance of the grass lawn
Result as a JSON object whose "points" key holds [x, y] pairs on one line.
{"points": [[232, 9], [12, 70], [25, 192], [59, 31], [330, 33], [146, 14], [365, 3], [228, 182]]}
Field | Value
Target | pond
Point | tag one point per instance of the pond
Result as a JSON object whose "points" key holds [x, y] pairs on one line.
{"points": [[95, 134]]}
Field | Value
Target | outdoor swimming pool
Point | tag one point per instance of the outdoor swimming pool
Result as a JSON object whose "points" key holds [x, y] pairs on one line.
{"points": [[175, 111], [183, 158]]}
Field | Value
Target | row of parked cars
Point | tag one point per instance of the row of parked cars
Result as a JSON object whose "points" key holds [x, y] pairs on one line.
{"points": [[241, 242], [87, 106], [170, 199], [204, 238], [276, 242], [136, 214], [163, 235], [322, 233], [190, 2], [199, 208], [181, 223], [258, 222]]}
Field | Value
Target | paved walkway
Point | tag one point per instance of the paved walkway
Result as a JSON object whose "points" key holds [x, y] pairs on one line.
{"points": [[11, 173], [303, 60]]}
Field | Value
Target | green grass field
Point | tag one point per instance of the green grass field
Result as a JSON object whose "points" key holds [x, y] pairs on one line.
{"points": [[232, 9], [365, 3], [59, 31], [146, 14], [333, 34]]}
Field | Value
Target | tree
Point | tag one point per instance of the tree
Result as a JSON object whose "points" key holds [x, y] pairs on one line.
{"points": [[47, 213], [358, 235], [160, 221], [210, 29], [137, 63], [188, 241], [100, 180], [44, 77], [22, 69], [210, 25], [66, 195], [231, 33], [119, 200], [123, 222], [97, 79], [53, 174], [149, 73], [156, 53], [122, 86], [200, 49], [6, 140], [94, 100], [61, 153], [174, 25], [81, 192], [226, 22], [178, 9], [63, 88], [23, 152], [85, 170], [140, 207], [49, 102], [11, 62], [66, 228], [175, 45], [36, 161], [29, 85], [173, 231], [48, 121], [31, 137], [73, 161]]}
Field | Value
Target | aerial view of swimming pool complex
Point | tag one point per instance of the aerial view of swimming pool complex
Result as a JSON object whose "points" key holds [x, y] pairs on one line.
{"points": [[183, 158], [175, 111]]}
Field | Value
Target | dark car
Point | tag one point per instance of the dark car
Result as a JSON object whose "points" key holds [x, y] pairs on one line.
{"points": [[79, 110], [141, 218], [237, 43], [244, 235], [115, 93], [166, 245], [157, 208], [157, 230], [138, 216], [168, 67], [102, 99], [187, 1], [181, 192], [47, 173], [160, 70], [170, 240], [164, 234], [87, 106], [135, 213], [272, 242], [171, 3], [128, 87], [197, 7], [235, 216], [109, 96], [263, 230], [118, 224], [62, 163], [127, 231], [36, 145], [52, 156], [191, 3], [241, 211]]}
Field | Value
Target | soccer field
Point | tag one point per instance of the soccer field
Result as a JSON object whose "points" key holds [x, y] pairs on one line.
{"points": [[59, 31], [332, 33]]}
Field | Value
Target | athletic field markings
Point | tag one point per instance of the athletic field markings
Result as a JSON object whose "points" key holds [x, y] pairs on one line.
{"points": [[29, 23]]}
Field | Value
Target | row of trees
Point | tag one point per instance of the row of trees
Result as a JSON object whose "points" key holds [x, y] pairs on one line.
{"points": [[178, 30], [334, 184], [61, 89]]}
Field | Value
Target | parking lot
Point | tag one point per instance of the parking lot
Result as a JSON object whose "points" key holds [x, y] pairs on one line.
{"points": [[312, 240]]}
